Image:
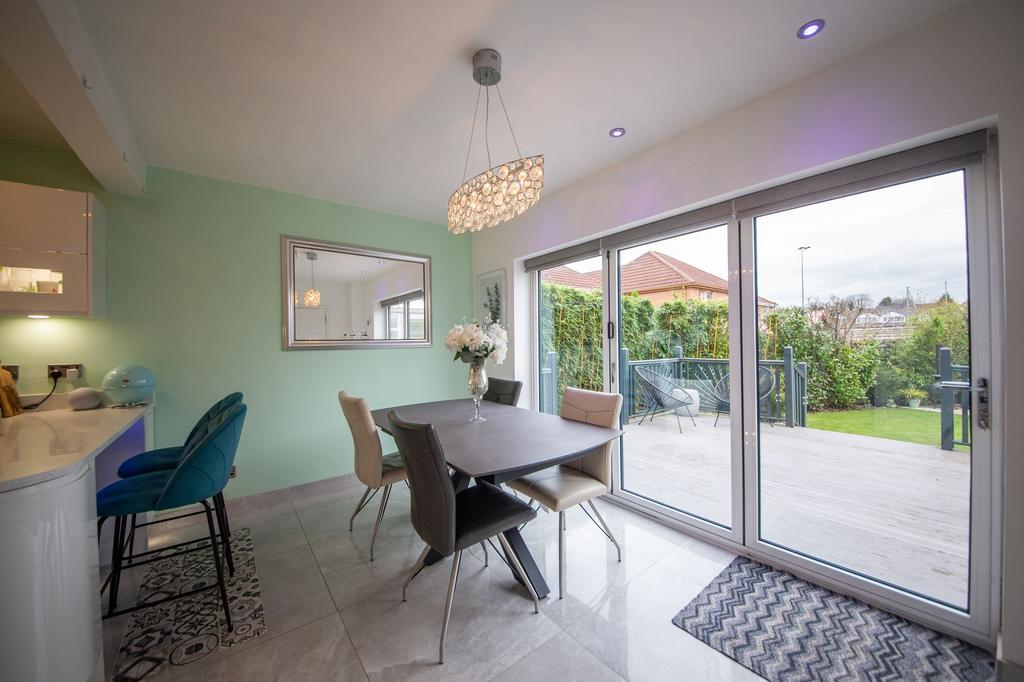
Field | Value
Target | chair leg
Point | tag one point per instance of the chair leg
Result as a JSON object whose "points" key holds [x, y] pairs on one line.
{"points": [[678, 423], [224, 512], [604, 527], [717, 415], [225, 532], [456, 561], [487, 561], [518, 567], [561, 554], [380, 515], [216, 564], [690, 413], [416, 568], [115, 563], [131, 540], [99, 527], [359, 507]]}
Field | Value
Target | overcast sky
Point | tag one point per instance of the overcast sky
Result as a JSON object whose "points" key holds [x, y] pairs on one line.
{"points": [[877, 243]]}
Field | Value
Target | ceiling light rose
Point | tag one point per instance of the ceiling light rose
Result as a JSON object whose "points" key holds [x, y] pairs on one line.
{"points": [[501, 192]]}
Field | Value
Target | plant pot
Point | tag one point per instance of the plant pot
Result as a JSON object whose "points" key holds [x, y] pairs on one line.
{"points": [[914, 403]]}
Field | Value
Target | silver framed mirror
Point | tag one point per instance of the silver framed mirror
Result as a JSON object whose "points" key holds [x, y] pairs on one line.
{"points": [[341, 296]]}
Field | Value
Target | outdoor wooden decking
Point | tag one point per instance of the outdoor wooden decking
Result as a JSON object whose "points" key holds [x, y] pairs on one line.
{"points": [[892, 510]]}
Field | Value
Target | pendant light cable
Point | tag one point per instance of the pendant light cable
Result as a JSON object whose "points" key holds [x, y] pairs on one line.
{"points": [[487, 122], [476, 109], [501, 99]]}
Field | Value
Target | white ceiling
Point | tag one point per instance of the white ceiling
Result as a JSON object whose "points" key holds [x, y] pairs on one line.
{"points": [[343, 268], [20, 116], [370, 103]]}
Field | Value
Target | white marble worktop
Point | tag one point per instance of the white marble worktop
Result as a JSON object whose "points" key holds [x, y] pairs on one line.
{"points": [[41, 445]]}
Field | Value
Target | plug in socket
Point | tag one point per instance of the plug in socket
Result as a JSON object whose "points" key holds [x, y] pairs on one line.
{"points": [[63, 369]]}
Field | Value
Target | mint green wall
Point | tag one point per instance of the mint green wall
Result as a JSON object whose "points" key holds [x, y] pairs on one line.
{"points": [[194, 293]]}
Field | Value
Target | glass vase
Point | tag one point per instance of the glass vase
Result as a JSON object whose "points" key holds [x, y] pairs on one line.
{"points": [[477, 386]]}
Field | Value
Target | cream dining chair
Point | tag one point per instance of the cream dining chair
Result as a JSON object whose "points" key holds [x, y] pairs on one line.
{"points": [[375, 469], [581, 480]]}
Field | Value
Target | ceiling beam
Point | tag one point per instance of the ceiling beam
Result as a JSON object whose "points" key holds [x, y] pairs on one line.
{"points": [[46, 45]]}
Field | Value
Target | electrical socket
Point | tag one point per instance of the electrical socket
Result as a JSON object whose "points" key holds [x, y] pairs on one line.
{"points": [[234, 472], [13, 369], [63, 369]]}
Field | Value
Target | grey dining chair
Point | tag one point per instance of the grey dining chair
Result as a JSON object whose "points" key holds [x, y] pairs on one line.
{"points": [[504, 391], [373, 468], [450, 522]]}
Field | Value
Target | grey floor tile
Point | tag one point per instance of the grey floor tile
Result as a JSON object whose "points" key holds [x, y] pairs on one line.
{"points": [[559, 659], [320, 650], [630, 629], [492, 626]]}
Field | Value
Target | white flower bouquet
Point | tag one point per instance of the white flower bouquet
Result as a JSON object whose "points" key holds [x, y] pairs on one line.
{"points": [[474, 341]]}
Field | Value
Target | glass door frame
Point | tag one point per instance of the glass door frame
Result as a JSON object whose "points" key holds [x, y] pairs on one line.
{"points": [[611, 264], [979, 624]]}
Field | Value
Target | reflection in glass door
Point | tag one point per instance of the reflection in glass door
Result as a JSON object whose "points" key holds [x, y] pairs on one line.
{"points": [[674, 373], [571, 350], [867, 339]]}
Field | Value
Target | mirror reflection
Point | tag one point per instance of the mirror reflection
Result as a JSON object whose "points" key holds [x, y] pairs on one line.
{"points": [[342, 296]]}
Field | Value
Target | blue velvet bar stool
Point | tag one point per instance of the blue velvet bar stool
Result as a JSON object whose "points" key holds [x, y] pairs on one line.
{"points": [[163, 459], [200, 476]]}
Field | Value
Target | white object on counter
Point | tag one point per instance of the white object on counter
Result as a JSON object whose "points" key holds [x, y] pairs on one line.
{"points": [[84, 398], [49, 562]]}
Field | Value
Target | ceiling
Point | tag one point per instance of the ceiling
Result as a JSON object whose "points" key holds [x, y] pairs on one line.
{"points": [[370, 103], [21, 118], [344, 268]]}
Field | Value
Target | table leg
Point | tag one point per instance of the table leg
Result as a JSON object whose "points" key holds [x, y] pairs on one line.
{"points": [[522, 552], [460, 482]]}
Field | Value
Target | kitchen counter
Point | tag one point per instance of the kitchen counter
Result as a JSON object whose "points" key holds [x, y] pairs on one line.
{"points": [[41, 445], [51, 462]]}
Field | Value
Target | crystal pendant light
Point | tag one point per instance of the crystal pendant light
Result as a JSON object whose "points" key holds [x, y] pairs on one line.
{"points": [[311, 299], [501, 192]]}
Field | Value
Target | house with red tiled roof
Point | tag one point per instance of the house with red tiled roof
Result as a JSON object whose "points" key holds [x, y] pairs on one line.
{"points": [[658, 277]]}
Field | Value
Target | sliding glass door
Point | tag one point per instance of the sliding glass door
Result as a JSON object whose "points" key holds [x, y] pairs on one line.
{"points": [[808, 374], [675, 373]]}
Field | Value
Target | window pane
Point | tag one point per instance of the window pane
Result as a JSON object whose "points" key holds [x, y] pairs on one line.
{"points": [[396, 321], [674, 373], [872, 471], [571, 344], [416, 319]]}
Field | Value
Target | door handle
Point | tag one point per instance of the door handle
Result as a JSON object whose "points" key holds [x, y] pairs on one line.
{"points": [[982, 393]]}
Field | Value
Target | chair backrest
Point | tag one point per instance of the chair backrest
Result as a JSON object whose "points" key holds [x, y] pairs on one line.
{"points": [[432, 497], [368, 463], [205, 466], [600, 409], [721, 389], [659, 388], [218, 407], [504, 391]]}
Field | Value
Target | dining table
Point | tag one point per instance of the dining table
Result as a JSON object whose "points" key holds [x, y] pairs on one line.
{"points": [[509, 443]]}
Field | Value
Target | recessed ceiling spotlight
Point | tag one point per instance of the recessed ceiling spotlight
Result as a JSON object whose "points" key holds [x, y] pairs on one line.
{"points": [[810, 29], [617, 132], [382, 262]]}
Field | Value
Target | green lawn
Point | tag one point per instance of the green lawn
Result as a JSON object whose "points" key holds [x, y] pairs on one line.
{"points": [[897, 423]]}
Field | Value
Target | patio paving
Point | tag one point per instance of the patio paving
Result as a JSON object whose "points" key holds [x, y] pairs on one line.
{"points": [[895, 511]]}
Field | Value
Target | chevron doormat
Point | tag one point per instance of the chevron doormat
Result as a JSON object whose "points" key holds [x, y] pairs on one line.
{"points": [[788, 630], [185, 630]]}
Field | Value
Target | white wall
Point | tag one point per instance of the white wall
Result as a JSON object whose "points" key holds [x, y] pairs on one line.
{"points": [[951, 74]]}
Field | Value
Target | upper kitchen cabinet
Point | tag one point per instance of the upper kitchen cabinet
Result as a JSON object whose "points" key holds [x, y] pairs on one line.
{"points": [[52, 252]]}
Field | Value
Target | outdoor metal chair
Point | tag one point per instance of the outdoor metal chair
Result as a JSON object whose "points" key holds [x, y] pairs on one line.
{"points": [[660, 396], [765, 386]]}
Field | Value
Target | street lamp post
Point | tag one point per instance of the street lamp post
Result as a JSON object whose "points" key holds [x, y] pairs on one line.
{"points": [[802, 249]]}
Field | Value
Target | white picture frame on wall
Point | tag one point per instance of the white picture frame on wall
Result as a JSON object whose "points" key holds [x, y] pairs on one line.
{"points": [[492, 295]]}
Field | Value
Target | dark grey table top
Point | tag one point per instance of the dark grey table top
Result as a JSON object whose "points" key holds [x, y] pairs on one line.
{"points": [[512, 440]]}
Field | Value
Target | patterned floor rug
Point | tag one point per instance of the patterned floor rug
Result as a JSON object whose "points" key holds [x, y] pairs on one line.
{"points": [[788, 630], [185, 630]]}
